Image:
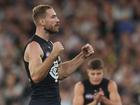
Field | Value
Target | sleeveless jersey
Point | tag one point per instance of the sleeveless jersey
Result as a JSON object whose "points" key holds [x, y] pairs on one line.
{"points": [[46, 92], [91, 90]]}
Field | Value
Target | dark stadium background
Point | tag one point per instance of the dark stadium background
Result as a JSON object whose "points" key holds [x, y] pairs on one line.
{"points": [[111, 26]]}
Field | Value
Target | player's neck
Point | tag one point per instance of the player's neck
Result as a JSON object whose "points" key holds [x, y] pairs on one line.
{"points": [[41, 33]]}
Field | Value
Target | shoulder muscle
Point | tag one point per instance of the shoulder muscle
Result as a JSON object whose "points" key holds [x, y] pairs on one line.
{"points": [[33, 50]]}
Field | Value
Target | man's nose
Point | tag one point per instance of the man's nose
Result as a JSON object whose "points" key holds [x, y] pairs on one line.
{"points": [[58, 20], [95, 76]]}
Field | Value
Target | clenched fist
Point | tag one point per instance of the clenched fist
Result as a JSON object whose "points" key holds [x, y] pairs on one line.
{"points": [[57, 48], [87, 50]]}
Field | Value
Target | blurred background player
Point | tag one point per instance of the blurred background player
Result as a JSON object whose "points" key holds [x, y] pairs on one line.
{"points": [[96, 90]]}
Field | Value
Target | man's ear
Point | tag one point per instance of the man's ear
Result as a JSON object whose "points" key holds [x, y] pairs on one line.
{"points": [[42, 21]]}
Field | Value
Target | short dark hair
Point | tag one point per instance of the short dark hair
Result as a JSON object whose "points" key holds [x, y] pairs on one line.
{"points": [[96, 63], [39, 11]]}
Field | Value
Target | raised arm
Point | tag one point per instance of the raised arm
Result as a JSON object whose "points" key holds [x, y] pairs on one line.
{"points": [[69, 67], [33, 54], [114, 95]]}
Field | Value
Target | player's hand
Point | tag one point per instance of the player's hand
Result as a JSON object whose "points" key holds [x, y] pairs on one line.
{"points": [[57, 48], [99, 95], [87, 50]]}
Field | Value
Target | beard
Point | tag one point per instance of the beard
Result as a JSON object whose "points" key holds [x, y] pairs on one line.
{"points": [[51, 30]]}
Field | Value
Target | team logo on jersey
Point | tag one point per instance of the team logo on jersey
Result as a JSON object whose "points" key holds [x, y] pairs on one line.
{"points": [[89, 96], [92, 96], [54, 70]]}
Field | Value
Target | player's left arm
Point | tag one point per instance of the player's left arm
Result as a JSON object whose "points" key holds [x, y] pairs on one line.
{"points": [[68, 67], [114, 95]]}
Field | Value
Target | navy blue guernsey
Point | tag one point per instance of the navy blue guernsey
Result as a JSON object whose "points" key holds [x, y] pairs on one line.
{"points": [[46, 92], [91, 90]]}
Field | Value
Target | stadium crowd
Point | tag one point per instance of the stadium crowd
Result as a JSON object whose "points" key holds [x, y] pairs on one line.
{"points": [[111, 26]]}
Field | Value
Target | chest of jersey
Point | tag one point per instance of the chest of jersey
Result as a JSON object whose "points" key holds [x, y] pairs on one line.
{"points": [[47, 48], [90, 91]]}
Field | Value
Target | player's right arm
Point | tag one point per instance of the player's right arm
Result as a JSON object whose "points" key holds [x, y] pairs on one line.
{"points": [[78, 94], [38, 69]]}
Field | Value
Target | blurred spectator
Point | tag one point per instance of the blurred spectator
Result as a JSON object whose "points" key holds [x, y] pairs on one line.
{"points": [[111, 26]]}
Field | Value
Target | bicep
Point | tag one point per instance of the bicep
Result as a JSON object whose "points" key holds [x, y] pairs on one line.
{"points": [[78, 94], [34, 54], [78, 100], [34, 62], [114, 95]]}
